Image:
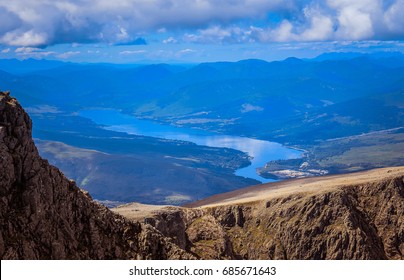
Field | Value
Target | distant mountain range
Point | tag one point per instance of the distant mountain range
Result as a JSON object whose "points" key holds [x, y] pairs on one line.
{"points": [[291, 101], [331, 106]]}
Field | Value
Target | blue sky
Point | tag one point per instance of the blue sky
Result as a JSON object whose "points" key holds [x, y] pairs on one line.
{"points": [[124, 31]]}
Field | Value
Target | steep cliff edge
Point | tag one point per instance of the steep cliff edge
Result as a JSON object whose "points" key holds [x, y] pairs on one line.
{"points": [[43, 215], [353, 216]]}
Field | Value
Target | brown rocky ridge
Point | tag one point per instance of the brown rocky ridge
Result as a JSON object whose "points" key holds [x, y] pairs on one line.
{"points": [[43, 215], [352, 216]]}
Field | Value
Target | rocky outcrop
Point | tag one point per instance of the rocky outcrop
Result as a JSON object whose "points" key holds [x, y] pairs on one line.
{"points": [[358, 222], [354, 221], [43, 215]]}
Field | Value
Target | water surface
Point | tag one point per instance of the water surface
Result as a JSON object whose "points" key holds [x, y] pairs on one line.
{"points": [[261, 151]]}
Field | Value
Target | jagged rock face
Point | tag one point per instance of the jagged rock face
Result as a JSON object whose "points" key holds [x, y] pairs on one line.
{"points": [[43, 215], [351, 222], [358, 222]]}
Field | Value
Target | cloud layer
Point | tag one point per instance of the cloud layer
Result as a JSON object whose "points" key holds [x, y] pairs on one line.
{"points": [[49, 22]]}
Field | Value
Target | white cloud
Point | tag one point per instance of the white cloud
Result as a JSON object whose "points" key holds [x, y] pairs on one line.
{"points": [[320, 26], [356, 18], [93, 52], [245, 108], [170, 40], [68, 54], [339, 20], [217, 35], [354, 25], [394, 19], [45, 22], [38, 53], [132, 52], [41, 22], [27, 50], [123, 34], [6, 50], [28, 38], [281, 34], [186, 51]]}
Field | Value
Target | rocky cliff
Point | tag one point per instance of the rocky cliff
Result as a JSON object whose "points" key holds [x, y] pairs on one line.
{"points": [[43, 215], [357, 216]]}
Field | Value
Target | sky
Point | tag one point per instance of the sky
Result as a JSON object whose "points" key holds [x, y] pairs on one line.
{"points": [[127, 31]]}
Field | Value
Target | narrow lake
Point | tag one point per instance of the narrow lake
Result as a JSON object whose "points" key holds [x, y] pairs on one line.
{"points": [[260, 151]]}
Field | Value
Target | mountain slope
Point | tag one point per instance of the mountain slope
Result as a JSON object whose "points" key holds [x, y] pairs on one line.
{"points": [[354, 216], [43, 215]]}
